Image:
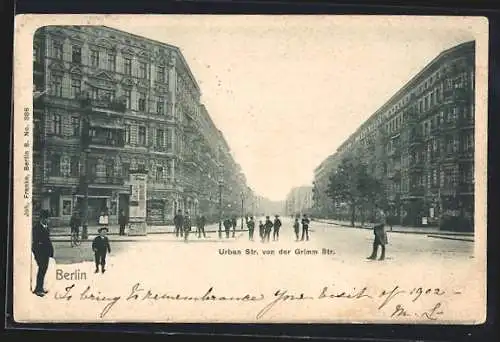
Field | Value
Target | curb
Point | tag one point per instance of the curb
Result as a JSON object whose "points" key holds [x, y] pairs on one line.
{"points": [[56, 235], [404, 232], [449, 238]]}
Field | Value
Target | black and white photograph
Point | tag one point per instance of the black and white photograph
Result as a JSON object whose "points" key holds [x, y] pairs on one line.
{"points": [[266, 169]]}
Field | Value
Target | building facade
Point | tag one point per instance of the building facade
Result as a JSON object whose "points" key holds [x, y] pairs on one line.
{"points": [[299, 201], [140, 104], [420, 143], [322, 205]]}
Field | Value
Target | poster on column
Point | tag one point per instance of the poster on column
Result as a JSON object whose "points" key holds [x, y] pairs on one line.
{"points": [[342, 107]]}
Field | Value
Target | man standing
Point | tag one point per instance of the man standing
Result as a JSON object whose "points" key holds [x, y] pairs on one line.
{"points": [[43, 250], [380, 236], [296, 227], [234, 223], [276, 226], [268, 226], [187, 226], [200, 226], [178, 222], [305, 228], [122, 221], [227, 226], [251, 227]]}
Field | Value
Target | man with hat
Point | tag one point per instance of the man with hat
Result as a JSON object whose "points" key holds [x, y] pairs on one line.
{"points": [[101, 247], [380, 235], [276, 226], [268, 225], [42, 249]]}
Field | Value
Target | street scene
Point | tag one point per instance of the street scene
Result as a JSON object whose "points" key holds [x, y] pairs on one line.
{"points": [[163, 172]]}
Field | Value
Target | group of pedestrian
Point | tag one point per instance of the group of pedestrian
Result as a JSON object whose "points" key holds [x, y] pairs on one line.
{"points": [[183, 225], [228, 223]]}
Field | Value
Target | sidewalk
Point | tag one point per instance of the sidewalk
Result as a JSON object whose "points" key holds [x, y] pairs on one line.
{"points": [[398, 228], [63, 233]]}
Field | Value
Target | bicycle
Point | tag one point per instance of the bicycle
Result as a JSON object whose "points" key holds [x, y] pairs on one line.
{"points": [[75, 239]]}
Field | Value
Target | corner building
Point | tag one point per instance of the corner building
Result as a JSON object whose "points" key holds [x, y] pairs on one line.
{"points": [[420, 143], [141, 105]]}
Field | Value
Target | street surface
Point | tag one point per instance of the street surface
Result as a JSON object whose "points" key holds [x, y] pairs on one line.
{"points": [[334, 257]]}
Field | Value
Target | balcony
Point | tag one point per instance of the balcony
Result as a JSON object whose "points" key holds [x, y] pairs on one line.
{"points": [[189, 127], [466, 155], [105, 142], [417, 191], [449, 126], [191, 158], [416, 167], [113, 105], [105, 180], [448, 190], [415, 140]]}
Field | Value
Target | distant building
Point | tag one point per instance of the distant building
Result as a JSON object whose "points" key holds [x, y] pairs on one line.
{"points": [[141, 105], [299, 200], [420, 143], [322, 203]]}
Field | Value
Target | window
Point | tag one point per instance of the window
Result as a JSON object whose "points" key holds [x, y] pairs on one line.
{"points": [[160, 108], [55, 165], [54, 205], [75, 125], [66, 209], [128, 66], [127, 134], [56, 87], [111, 61], [142, 135], [110, 167], [56, 124], [160, 138], [94, 58], [76, 87], [159, 173], [57, 50], [75, 166], [160, 70], [128, 98], [76, 54], [143, 70], [125, 170], [169, 139], [36, 54], [142, 102]]}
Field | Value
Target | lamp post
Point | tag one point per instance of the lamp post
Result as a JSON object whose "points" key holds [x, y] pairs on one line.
{"points": [[242, 194], [221, 183], [85, 151]]}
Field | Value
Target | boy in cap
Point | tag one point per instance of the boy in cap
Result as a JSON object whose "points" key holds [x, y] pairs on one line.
{"points": [[276, 226], [101, 247]]}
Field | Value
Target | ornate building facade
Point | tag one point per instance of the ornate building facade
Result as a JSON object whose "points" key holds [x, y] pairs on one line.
{"points": [[420, 143], [141, 105]]}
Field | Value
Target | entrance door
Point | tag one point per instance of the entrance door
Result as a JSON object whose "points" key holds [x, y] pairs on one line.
{"points": [[123, 204]]}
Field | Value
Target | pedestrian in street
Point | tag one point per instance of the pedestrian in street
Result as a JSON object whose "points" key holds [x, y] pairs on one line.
{"points": [[187, 226], [251, 227], [276, 228], [262, 230], [268, 226], [178, 223], [101, 247], [74, 223], [379, 235], [122, 221], [43, 250], [296, 228], [234, 223], [200, 226], [305, 228], [227, 226]]}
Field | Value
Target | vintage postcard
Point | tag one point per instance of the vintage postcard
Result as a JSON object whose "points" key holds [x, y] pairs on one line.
{"points": [[266, 169]]}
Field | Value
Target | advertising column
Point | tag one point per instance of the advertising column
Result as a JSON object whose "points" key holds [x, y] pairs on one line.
{"points": [[137, 204]]}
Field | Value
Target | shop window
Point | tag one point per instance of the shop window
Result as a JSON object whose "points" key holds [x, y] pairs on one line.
{"points": [[66, 209], [54, 205]]}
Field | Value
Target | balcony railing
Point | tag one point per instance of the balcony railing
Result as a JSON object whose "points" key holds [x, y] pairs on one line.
{"points": [[106, 142], [118, 105], [110, 180], [449, 125], [417, 191]]}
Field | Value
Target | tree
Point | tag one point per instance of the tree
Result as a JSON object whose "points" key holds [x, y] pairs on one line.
{"points": [[352, 184]]}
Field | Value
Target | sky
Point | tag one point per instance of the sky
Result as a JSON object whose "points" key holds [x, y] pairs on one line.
{"points": [[287, 91]]}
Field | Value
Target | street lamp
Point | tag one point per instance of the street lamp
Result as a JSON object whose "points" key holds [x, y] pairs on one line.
{"points": [[221, 184], [242, 194]]}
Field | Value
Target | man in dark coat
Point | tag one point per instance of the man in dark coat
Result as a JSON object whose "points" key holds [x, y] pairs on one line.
{"points": [[178, 222], [305, 228], [200, 226], [42, 249], [101, 248], [227, 226], [296, 227], [251, 227], [75, 222], [268, 226], [262, 230], [122, 221], [380, 235], [234, 223], [187, 225], [276, 228]]}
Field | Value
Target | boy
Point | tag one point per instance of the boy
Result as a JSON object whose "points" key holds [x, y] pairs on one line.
{"points": [[101, 247]]}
